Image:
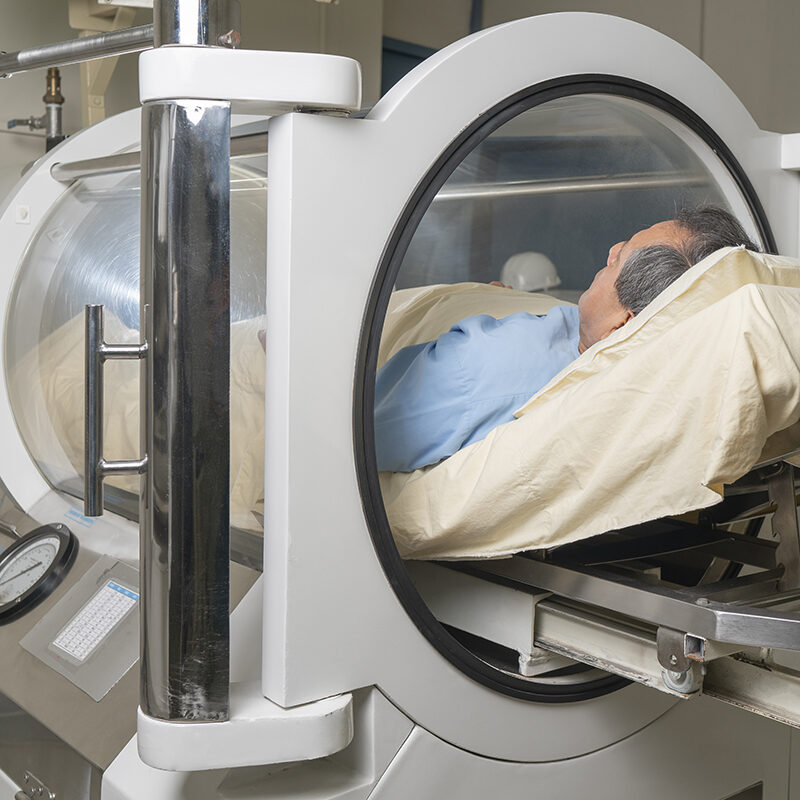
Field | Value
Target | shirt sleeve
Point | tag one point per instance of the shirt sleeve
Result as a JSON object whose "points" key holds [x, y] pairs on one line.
{"points": [[434, 398], [423, 396]]}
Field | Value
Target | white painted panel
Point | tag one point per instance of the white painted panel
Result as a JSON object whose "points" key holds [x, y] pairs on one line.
{"points": [[695, 751], [7, 787]]}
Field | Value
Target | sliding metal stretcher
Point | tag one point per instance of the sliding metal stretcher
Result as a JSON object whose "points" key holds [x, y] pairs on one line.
{"points": [[708, 603]]}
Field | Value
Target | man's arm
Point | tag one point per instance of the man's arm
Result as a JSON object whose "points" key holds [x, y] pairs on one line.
{"points": [[422, 400]]}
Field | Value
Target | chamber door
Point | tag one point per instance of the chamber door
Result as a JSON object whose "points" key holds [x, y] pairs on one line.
{"points": [[535, 198]]}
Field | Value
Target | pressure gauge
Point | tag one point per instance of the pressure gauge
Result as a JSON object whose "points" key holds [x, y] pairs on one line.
{"points": [[32, 567]]}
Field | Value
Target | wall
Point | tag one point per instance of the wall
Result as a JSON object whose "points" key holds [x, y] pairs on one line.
{"points": [[431, 24], [751, 44], [347, 28]]}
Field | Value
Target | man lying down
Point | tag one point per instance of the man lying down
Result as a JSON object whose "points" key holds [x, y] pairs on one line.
{"points": [[434, 398], [651, 421]]}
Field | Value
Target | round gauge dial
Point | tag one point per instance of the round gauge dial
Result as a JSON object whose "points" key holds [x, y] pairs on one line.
{"points": [[32, 567]]}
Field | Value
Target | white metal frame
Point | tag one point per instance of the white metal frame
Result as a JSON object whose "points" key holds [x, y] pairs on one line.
{"points": [[333, 177]]}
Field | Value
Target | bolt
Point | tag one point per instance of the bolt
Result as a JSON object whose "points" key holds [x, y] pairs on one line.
{"points": [[230, 39], [673, 659], [702, 601]]}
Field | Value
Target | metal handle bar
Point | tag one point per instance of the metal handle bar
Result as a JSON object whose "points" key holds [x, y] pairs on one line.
{"points": [[96, 467]]}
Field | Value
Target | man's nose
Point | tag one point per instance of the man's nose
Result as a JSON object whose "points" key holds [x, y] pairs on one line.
{"points": [[613, 253]]}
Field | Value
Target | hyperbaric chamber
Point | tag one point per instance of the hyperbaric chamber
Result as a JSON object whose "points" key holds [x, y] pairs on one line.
{"points": [[565, 170], [567, 178]]}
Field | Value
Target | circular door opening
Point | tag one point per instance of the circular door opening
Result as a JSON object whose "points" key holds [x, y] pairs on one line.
{"points": [[534, 193]]}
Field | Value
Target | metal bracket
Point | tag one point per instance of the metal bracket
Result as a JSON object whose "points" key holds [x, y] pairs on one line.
{"points": [[785, 526], [671, 650], [677, 651], [34, 789], [96, 467]]}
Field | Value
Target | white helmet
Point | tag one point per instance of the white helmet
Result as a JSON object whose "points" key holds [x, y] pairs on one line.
{"points": [[530, 272]]}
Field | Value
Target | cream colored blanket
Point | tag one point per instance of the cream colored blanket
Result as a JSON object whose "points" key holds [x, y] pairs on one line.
{"points": [[647, 423]]}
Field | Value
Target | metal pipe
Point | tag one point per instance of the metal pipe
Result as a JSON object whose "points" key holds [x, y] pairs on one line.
{"points": [[489, 190], [251, 144], [53, 100], [74, 51], [185, 299], [104, 165], [53, 130]]}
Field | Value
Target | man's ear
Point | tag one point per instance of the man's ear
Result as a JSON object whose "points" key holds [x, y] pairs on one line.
{"points": [[621, 317]]}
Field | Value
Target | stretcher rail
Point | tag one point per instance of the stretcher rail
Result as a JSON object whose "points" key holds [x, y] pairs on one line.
{"points": [[672, 607]]}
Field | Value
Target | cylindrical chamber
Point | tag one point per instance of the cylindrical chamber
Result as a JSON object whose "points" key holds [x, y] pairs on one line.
{"points": [[184, 515]]}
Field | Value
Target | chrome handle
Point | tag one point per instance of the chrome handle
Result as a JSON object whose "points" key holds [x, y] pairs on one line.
{"points": [[96, 468]]}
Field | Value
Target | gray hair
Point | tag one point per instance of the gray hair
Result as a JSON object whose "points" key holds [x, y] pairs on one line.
{"points": [[647, 272], [711, 228]]}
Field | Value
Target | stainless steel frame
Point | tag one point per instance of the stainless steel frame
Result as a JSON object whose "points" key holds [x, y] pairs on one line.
{"points": [[185, 269], [760, 624], [757, 609]]}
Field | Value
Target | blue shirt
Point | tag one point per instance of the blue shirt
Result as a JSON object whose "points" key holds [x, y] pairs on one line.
{"points": [[434, 398]]}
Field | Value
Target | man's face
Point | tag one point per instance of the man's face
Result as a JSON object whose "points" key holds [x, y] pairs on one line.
{"points": [[599, 308]]}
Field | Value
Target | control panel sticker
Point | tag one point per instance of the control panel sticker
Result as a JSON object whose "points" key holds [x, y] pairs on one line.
{"points": [[93, 623]]}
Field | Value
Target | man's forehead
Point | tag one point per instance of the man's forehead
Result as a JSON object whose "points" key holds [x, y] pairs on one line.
{"points": [[666, 232]]}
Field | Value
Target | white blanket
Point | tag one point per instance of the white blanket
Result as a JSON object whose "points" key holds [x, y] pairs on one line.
{"points": [[648, 423]]}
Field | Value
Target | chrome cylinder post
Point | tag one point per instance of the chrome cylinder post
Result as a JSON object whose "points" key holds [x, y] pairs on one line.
{"points": [[204, 22], [184, 516]]}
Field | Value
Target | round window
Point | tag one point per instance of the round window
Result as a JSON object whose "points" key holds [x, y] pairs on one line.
{"points": [[533, 195]]}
